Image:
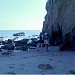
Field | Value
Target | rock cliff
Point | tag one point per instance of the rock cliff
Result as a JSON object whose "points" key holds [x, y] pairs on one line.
{"points": [[60, 13]]}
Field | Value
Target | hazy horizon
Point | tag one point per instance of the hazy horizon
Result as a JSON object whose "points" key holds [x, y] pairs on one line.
{"points": [[22, 14]]}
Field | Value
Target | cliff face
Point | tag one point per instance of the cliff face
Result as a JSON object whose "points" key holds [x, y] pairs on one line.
{"points": [[59, 13]]}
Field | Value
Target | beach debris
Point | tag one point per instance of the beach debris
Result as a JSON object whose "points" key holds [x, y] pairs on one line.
{"points": [[8, 47], [45, 66]]}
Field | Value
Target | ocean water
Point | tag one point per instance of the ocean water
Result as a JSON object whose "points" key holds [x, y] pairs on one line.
{"points": [[8, 34]]}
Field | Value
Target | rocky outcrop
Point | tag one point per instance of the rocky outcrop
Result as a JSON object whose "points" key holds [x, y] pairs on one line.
{"points": [[19, 34], [60, 13]]}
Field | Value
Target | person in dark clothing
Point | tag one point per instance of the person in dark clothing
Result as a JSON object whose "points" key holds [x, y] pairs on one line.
{"points": [[40, 42]]}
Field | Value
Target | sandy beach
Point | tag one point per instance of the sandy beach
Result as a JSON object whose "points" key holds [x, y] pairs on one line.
{"points": [[27, 62]]}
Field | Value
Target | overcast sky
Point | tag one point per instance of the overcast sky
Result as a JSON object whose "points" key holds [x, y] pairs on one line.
{"points": [[22, 14]]}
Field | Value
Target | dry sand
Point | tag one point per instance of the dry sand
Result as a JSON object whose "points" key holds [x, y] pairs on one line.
{"points": [[27, 62]]}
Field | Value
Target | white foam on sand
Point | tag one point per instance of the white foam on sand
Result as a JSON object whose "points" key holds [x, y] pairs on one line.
{"points": [[27, 62]]}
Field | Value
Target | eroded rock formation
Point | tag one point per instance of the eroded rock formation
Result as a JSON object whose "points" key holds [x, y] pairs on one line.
{"points": [[59, 13]]}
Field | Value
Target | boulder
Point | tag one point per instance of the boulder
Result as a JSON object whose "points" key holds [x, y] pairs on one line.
{"points": [[8, 47], [21, 42], [19, 34], [23, 48], [45, 66], [33, 42]]}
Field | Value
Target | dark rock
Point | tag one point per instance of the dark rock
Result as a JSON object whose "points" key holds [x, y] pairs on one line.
{"points": [[23, 48], [33, 43], [19, 34], [9, 41], [62, 7], [17, 48], [0, 50], [8, 47], [34, 40], [5, 53], [45, 66], [9, 44], [58, 23], [67, 44], [21, 42], [3, 42]]}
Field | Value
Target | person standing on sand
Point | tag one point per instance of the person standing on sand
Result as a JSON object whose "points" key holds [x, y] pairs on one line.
{"points": [[41, 41], [46, 41]]}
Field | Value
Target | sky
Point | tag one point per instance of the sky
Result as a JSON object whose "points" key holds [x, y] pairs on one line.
{"points": [[22, 14]]}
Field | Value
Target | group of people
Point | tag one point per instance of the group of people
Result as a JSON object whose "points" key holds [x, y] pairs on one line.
{"points": [[43, 42]]}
